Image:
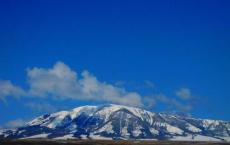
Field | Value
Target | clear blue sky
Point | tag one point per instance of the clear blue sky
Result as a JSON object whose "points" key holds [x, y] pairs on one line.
{"points": [[171, 44]]}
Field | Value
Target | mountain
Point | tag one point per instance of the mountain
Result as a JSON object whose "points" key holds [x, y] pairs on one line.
{"points": [[120, 122]]}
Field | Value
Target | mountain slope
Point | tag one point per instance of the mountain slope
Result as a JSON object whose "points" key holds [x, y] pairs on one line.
{"points": [[120, 122]]}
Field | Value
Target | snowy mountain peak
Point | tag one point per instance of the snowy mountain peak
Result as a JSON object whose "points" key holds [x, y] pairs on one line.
{"points": [[120, 122]]}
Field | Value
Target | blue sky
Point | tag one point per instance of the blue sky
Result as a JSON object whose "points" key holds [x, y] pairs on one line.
{"points": [[164, 55]]}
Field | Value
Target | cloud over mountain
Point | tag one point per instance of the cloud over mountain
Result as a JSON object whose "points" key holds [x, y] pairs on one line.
{"points": [[60, 82]]}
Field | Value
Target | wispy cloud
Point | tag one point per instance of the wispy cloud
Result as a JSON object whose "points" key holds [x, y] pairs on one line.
{"points": [[119, 83], [14, 123], [149, 84], [9, 89], [173, 103], [149, 102], [184, 93], [41, 107]]}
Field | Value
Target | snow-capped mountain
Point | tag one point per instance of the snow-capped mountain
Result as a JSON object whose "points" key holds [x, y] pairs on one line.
{"points": [[120, 122]]}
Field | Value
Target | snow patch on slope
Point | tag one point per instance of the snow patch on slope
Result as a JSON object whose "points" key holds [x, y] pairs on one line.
{"points": [[225, 138], [154, 131], [193, 128], [44, 135], [137, 131], [86, 109], [98, 137], [171, 129], [194, 138], [106, 128], [68, 136]]}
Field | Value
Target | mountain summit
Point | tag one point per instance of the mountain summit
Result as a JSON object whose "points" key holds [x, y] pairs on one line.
{"points": [[120, 122]]}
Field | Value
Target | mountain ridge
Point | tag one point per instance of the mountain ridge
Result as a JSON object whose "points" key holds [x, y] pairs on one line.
{"points": [[120, 122]]}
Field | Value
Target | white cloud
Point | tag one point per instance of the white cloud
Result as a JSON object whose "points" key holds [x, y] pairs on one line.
{"points": [[96, 90], [60, 82], [184, 93]]}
